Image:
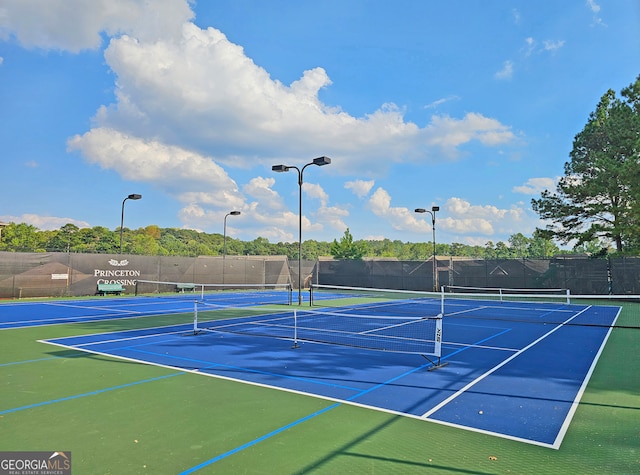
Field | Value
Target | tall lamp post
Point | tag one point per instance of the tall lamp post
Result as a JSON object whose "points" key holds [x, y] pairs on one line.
{"points": [[320, 161], [224, 242], [433, 226], [133, 196]]}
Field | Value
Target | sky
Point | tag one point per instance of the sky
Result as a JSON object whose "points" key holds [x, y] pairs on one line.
{"points": [[468, 105]]}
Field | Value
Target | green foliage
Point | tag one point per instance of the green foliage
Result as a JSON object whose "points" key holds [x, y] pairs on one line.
{"points": [[347, 248], [599, 195], [153, 240], [21, 238]]}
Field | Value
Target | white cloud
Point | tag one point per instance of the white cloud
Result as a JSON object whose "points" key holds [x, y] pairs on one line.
{"points": [[174, 169], [471, 220], [204, 92], [333, 216], [195, 180], [313, 190], [439, 102], [361, 188], [548, 46], [595, 9], [535, 186], [398, 217], [43, 223], [189, 103], [261, 189], [506, 72], [552, 46], [455, 132], [516, 16], [530, 45], [458, 218], [74, 25]]}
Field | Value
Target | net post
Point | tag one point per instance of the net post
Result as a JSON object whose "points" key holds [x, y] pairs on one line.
{"points": [[311, 295], [568, 296], [442, 301], [195, 317], [438, 337], [437, 352], [295, 330]]}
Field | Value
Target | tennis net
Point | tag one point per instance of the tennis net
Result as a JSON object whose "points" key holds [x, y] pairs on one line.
{"points": [[411, 301], [543, 306], [500, 291], [539, 306], [386, 330], [229, 294]]}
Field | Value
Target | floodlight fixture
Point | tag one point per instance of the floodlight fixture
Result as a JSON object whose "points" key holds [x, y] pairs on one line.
{"points": [[320, 161]]}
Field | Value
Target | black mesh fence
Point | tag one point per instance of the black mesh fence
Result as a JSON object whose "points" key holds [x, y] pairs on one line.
{"points": [[25, 275], [582, 276]]}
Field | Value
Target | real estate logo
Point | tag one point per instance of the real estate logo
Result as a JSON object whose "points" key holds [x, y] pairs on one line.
{"points": [[35, 463]]}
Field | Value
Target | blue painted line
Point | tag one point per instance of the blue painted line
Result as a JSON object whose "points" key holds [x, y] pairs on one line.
{"points": [[258, 440], [299, 421], [80, 353], [28, 361], [92, 393]]}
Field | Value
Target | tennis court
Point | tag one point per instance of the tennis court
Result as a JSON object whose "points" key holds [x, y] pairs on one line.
{"points": [[514, 370], [485, 356]]}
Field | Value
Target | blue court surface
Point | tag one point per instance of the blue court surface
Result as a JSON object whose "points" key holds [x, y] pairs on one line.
{"points": [[27, 314], [509, 372]]}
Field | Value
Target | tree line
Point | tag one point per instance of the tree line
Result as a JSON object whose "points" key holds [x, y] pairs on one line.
{"points": [[153, 240]]}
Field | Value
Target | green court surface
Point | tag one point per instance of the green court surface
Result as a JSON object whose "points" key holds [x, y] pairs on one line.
{"points": [[123, 417]]}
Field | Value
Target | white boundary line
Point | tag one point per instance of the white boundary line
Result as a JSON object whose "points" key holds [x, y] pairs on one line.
{"points": [[556, 445], [424, 417], [576, 401]]}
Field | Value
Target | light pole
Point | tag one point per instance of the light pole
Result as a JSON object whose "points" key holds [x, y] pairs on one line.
{"points": [[320, 161], [433, 226], [224, 242], [133, 196]]}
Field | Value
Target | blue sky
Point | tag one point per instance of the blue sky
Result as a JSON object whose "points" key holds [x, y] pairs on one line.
{"points": [[468, 105]]}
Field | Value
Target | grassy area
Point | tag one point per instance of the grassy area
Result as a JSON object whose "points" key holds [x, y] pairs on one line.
{"points": [[120, 417]]}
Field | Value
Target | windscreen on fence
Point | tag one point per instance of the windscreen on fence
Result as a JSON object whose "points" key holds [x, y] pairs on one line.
{"points": [[26, 275], [58, 274], [582, 275]]}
